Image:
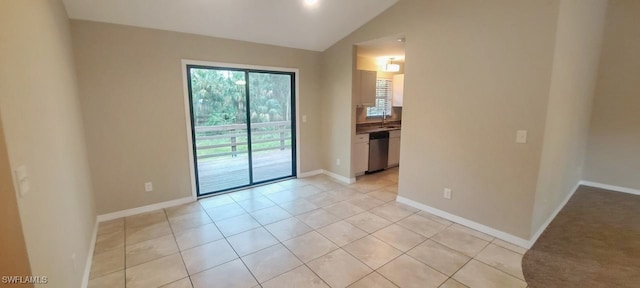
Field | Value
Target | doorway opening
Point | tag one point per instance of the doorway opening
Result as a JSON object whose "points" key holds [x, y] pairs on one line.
{"points": [[243, 127]]}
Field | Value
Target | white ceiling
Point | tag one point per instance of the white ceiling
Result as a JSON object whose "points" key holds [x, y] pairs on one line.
{"points": [[289, 23]]}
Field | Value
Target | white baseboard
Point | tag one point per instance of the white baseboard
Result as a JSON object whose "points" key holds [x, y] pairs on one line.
{"points": [[328, 173], [553, 215], [310, 173], [466, 222], [87, 265], [143, 209], [535, 236], [506, 236], [611, 187], [340, 178]]}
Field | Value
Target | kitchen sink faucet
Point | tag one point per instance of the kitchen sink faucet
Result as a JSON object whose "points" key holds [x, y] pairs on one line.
{"points": [[384, 114]]}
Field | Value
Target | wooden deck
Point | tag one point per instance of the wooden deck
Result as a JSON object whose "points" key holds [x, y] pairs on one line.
{"points": [[221, 173]]}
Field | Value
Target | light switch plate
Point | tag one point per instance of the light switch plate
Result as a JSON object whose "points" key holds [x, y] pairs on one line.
{"points": [[521, 136], [304, 118], [447, 193]]}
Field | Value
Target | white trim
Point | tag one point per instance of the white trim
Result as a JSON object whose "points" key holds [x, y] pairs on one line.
{"points": [[310, 173], [87, 265], [185, 62], [611, 187], [466, 222], [535, 236], [238, 66], [187, 115], [506, 236], [297, 122], [143, 209], [553, 215], [339, 177]]}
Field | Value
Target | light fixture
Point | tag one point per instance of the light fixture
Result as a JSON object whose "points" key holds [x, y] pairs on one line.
{"points": [[310, 2], [390, 67]]}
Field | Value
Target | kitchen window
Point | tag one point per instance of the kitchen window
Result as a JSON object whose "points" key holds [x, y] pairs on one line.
{"points": [[383, 99]]}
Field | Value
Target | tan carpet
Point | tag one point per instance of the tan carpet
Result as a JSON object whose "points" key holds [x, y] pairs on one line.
{"points": [[593, 242]]}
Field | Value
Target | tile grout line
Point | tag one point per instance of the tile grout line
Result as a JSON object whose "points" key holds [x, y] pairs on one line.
{"points": [[229, 243], [375, 270], [303, 263], [495, 267], [344, 219], [178, 247], [315, 230], [371, 234], [368, 234], [234, 251], [285, 246], [124, 220], [147, 261], [109, 250], [321, 235], [348, 200], [406, 252], [280, 243]]}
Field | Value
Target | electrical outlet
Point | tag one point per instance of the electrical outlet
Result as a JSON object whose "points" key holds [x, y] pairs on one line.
{"points": [[304, 118], [148, 186], [338, 162], [447, 193]]}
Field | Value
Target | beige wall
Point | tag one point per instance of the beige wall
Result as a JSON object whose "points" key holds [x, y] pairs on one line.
{"points": [[613, 156], [42, 122], [133, 103], [575, 69], [13, 249], [338, 125], [476, 72]]}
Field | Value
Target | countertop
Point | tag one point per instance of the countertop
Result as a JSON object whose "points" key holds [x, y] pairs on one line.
{"points": [[366, 130]]}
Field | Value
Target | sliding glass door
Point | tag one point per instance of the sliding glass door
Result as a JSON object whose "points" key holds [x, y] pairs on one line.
{"points": [[271, 125], [243, 127]]}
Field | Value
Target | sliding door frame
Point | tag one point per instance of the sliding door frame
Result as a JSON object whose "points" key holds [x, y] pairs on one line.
{"points": [[186, 64]]}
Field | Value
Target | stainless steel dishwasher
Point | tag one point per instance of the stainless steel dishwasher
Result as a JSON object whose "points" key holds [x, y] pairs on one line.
{"points": [[378, 151]]}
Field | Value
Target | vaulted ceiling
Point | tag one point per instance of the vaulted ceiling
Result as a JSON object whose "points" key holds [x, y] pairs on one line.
{"points": [[289, 23]]}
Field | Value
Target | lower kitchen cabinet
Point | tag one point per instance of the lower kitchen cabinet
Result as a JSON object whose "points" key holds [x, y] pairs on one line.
{"points": [[361, 154], [394, 148]]}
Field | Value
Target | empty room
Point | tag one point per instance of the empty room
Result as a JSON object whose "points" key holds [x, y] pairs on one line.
{"points": [[320, 143]]}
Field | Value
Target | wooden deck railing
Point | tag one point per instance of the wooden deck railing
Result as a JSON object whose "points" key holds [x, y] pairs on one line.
{"points": [[233, 132]]}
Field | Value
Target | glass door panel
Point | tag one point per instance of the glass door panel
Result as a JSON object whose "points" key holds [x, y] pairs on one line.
{"points": [[219, 123], [272, 125]]}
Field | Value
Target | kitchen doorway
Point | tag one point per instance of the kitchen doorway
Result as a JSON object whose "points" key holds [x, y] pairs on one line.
{"points": [[243, 127]]}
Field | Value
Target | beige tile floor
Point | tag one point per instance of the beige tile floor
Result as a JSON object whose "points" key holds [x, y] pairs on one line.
{"points": [[311, 232]]}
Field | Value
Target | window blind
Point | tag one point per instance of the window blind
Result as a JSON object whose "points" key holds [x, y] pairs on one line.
{"points": [[384, 90]]}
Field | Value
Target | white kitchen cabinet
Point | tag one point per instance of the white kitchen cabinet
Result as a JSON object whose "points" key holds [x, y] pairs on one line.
{"points": [[398, 90], [394, 148], [364, 87], [361, 153]]}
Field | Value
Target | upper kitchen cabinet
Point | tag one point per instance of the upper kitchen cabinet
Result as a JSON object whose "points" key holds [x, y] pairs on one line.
{"points": [[364, 84], [398, 90]]}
